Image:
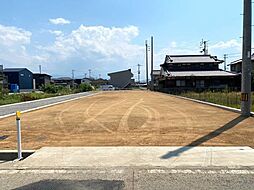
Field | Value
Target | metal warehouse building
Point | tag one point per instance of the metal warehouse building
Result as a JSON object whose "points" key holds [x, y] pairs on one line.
{"points": [[121, 79], [20, 76]]}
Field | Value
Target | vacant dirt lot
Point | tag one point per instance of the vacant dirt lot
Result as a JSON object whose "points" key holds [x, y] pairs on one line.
{"points": [[129, 118]]}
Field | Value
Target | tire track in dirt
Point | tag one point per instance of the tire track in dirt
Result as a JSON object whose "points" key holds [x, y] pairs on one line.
{"points": [[100, 124], [89, 107], [86, 113], [187, 120], [102, 111], [59, 119], [123, 125], [93, 118], [153, 114]]}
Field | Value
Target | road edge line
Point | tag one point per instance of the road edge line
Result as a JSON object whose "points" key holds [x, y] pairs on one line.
{"points": [[42, 99], [49, 105]]}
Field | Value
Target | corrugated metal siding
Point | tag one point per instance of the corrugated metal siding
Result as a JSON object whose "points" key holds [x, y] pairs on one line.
{"points": [[25, 79]]}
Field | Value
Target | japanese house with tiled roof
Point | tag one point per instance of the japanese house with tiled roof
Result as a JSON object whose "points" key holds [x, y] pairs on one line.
{"points": [[194, 72]]}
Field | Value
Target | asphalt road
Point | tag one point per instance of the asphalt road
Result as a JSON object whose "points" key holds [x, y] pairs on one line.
{"points": [[12, 108], [122, 178]]}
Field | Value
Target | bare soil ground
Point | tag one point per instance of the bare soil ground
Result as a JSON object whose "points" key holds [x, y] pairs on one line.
{"points": [[129, 118]]}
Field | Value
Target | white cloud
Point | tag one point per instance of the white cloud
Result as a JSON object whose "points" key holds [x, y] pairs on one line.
{"points": [[13, 45], [96, 42], [10, 36], [59, 21], [173, 44], [56, 32], [233, 44], [99, 48], [176, 48], [220, 48]]}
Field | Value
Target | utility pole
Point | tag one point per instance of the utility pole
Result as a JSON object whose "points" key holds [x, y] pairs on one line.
{"points": [[1, 78], [40, 69], [152, 80], [139, 73], [72, 73], [146, 64], [225, 61], [246, 60], [90, 71]]}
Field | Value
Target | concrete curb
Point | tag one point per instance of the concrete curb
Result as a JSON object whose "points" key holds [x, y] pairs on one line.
{"points": [[211, 104], [49, 105]]}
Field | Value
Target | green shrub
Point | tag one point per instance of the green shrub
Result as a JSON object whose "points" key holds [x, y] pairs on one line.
{"points": [[85, 87], [61, 90], [27, 97], [49, 88]]}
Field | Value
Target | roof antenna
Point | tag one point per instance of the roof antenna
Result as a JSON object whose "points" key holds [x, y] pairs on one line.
{"points": [[204, 47]]}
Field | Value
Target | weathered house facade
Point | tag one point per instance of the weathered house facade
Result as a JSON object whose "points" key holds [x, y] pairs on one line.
{"points": [[63, 81], [195, 72], [41, 79], [236, 67]]}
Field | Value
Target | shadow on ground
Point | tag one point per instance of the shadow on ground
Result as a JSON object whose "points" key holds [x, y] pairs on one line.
{"points": [[205, 138], [10, 156], [75, 185], [3, 137]]}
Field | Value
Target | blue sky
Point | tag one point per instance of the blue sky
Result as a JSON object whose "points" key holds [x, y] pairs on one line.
{"points": [[109, 35]]}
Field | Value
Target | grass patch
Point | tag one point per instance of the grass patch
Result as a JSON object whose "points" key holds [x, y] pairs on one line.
{"points": [[15, 98], [49, 90], [230, 99]]}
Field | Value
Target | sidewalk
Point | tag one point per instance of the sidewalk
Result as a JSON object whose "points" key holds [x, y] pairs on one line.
{"points": [[168, 157]]}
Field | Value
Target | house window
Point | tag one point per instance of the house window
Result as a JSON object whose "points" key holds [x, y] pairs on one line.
{"points": [[21, 74], [180, 83], [200, 83]]}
